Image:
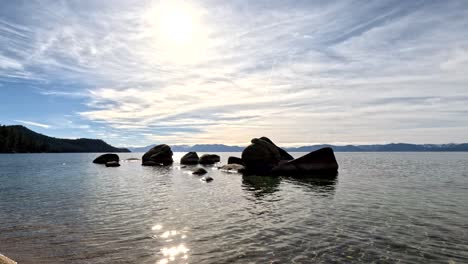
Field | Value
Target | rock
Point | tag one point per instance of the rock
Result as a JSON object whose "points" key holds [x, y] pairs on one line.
{"points": [[235, 160], [260, 157], [112, 164], [158, 155], [104, 158], [150, 163], [199, 171], [207, 179], [5, 260], [190, 158], [319, 162], [132, 159], [232, 168], [284, 154], [207, 159]]}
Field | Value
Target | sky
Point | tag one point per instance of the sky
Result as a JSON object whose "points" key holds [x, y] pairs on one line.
{"points": [[135, 73]]}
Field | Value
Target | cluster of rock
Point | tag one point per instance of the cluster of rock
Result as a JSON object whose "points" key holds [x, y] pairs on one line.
{"points": [[261, 157], [109, 159], [192, 158]]}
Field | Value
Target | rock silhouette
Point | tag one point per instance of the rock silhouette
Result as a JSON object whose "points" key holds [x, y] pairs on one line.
{"points": [[320, 162], [260, 156], [190, 158], [235, 160], [207, 159], [158, 155], [104, 158]]}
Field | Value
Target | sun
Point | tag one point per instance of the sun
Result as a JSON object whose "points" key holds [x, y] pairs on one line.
{"points": [[176, 24], [178, 33]]}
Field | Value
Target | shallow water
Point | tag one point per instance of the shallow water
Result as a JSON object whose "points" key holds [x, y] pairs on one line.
{"points": [[382, 207]]}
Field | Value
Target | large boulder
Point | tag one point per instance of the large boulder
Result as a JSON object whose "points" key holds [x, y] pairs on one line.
{"points": [[190, 158], [284, 155], [319, 162], [207, 159], [158, 155], [235, 160], [260, 157], [104, 158]]}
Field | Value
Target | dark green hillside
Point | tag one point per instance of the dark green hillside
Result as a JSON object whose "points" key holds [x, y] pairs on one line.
{"points": [[19, 139]]}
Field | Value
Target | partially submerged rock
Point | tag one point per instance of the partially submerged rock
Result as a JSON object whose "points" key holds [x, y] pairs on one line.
{"points": [[199, 171], [260, 156], [263, 157], [320, 162], [207, 159], [235, 160], [158, 155], [232, 168], [112, 164], [132, 159], [190, 158], [206, 179], [104, 158]]}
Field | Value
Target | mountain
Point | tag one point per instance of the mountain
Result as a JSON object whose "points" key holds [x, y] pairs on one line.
{"points": [[393, 147], [19, 139]]}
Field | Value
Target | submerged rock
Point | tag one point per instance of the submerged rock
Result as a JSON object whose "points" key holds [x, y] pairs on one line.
{"points": [[232, 168], [158, 155], [190, 158], [207, 159], [132, 159], [207, 179], [112, 164], [321, 162], [104, 158], [199, 171], [260, 156], [235, 160]]}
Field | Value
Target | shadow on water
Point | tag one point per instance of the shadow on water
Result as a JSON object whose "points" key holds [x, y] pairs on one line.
{"points": [[319, 184], [261, 186]]}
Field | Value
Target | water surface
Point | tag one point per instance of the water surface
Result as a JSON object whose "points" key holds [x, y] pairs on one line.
{"points": [[382, 208]]}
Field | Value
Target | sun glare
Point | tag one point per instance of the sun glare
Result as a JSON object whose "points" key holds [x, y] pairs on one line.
{"points": [[177, 26], [179, 35]]}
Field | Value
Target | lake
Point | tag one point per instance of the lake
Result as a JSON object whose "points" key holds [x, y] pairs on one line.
{"points": [[381, 208]]}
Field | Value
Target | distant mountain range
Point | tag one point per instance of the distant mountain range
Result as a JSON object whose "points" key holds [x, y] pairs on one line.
{"points": [[19, 139], [395, 147]]}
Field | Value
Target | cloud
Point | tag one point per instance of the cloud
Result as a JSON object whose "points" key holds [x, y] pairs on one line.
{"points": [[33, 123], [341, 71]]}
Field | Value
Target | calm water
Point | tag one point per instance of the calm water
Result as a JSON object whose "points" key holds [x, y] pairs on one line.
{"points": [[383, 208]]}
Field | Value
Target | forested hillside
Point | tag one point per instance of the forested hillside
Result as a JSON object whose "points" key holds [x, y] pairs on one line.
{"points": [[19, 139]]}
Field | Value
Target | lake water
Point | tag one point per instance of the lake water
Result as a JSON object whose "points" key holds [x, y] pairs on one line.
{"points": [[381, 208]]}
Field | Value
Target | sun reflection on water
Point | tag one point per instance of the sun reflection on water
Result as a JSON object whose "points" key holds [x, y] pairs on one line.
{"points": [[174, 251]]}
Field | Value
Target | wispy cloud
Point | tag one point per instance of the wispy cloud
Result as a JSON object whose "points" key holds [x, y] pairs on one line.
{"points": [[33, 123], [341, 71]]}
